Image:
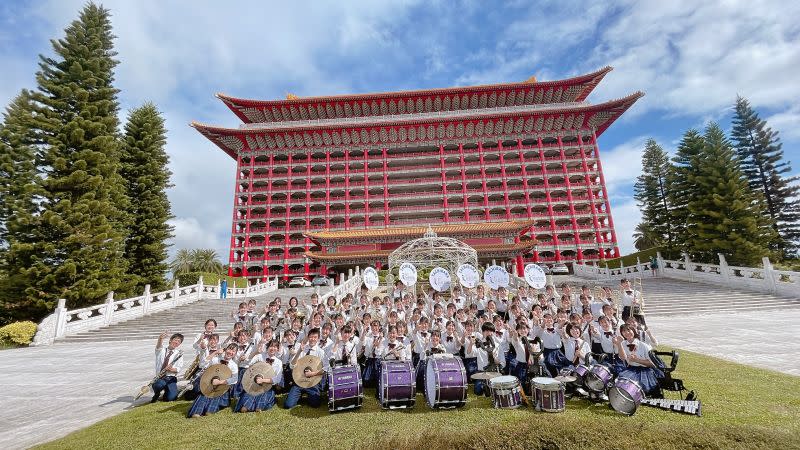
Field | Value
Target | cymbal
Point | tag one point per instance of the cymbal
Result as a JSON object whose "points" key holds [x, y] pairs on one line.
{"points": [[307, 362], [565, 378], [249, 378], [215, 372], [486, 375]]}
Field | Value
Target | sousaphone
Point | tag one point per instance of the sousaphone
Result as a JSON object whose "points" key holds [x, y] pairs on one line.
{"points": [[262, 369], [215, 372], [312, 363]]}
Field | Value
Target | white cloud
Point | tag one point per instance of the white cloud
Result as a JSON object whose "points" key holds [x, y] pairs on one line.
{"points": [[626, 216], [622, 164], [189, 233], [788, 122]]}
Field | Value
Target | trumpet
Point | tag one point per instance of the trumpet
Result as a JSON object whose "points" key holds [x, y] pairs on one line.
{"points": [[638, 308], [146, 388]]}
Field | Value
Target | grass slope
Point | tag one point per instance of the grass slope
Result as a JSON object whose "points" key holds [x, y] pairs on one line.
{"points": [[743, 407]]}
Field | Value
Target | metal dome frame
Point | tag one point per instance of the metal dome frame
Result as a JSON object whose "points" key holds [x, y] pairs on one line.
{"points": [[432, 250]]}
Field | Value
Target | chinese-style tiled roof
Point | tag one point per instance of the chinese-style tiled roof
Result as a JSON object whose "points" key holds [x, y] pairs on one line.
{"points": [[369, 256], [527, 92], [407, 131], [392, 234]]}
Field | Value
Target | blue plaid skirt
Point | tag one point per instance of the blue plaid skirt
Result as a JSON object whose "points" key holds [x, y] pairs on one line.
{"points": [[555, 360], [259, 402], [205, 405]]}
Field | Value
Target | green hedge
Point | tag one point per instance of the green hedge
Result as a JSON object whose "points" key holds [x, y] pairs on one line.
{"points": [[18, 333], [190, 278], [629, 260]]}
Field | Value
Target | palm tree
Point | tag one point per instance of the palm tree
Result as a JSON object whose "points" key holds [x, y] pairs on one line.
{"points": [[644, 237], [182, 263], [206, 260]]}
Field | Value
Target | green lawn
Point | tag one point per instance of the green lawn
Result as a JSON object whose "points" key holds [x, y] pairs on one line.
{"points": [[743, 407]]}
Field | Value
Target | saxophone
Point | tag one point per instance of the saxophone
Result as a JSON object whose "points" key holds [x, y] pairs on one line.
{"points": [[146, 388]]}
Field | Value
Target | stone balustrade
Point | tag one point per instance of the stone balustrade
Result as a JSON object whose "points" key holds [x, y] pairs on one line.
{"points": [[63, 322], [765, 279]]}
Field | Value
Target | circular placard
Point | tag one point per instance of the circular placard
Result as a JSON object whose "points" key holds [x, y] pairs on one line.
{"points": [[408, 274], [535, 276], [468, 275], [496, 277], [440, 279], [370, 277]]}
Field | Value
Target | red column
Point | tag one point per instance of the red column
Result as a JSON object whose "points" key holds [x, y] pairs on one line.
{"points": [[249, 210], [524, 179], [605, 194], [307, 241], [267, 232], [385, 190], [503, 179], [444, 184], [576, 233], [366, 188], [549, 200], [483, 183], [327, 190], [266, 226], [463, 182], [590, 194], [518, 258], [234, 217], [289, 178], [347, 189]]}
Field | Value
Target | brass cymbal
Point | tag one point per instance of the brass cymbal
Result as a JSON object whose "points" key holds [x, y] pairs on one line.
{"points": [[249, 378], [215, 372], [307, 362], [485, 376]]}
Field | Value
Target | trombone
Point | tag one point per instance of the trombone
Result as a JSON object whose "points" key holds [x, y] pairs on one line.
{"points": [[638, 307]]}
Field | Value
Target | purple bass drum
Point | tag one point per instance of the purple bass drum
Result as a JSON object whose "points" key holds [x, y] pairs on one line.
{"points": [[397, 387], [445, 382], [598, 378], [345, 389], [625, 396]]}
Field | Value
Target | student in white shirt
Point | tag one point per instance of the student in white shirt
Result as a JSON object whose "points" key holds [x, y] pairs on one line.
{"points": [[205, 405], [344, 351], [265, 400], [394, 349], [169, 361], [314, 392], [638, 365], [450, 339], [201, 339]]}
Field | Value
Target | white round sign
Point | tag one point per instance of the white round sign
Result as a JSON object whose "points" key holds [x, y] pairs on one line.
{"points": [[370, 277], [535, 276], [496, 276], [468, 275], [408, 274], [440, 279]]}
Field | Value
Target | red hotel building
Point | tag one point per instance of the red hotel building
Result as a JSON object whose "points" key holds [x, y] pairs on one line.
{"points": [[323, 183]]}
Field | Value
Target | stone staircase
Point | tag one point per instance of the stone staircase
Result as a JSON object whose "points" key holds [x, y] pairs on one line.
{"points": [[668, 296], [187, 320]]}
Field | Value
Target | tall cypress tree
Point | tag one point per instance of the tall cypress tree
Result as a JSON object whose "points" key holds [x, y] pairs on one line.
{"points": [[144, 168], [760, 151], [650, 191], [724, 214], [18, 210], [682, 188], [83, 218]]}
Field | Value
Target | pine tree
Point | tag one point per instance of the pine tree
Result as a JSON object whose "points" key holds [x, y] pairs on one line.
{"points": [[18, 210], [144, 168], [761, 155], [650, 191], [83, 219], [724, 214], [681, 188]]}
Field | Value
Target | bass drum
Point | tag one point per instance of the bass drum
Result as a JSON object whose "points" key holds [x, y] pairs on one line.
{"points": [[445, 382], [397, 387], [345, 388]]}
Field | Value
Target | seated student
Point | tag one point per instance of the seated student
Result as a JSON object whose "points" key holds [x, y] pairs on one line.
{"points": [[169, 361], [314, 392], [205, 405], [554, 358], [245, 351], [637, 366], [210, 346], [265, 400], [575, 347], [602, 338], [289, 347]]}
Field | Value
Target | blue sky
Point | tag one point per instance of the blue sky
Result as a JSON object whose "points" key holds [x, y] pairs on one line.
{"points": [[691, 60]]}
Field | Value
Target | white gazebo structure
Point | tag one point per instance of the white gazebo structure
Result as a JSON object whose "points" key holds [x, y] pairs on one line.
{"points": [[432, 250]]}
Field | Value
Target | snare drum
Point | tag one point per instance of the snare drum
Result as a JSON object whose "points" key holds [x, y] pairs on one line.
{"points": [[505, 392], [445, 382], [548, 394], [580, 372], [625, 396], [397, 387], [598, 378], [345, 389]]}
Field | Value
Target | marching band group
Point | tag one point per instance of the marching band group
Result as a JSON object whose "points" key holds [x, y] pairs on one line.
{"points": [[524, 333]]}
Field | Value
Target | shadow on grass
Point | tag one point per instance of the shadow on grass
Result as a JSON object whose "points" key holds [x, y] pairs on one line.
{"points": [[126, 399]]}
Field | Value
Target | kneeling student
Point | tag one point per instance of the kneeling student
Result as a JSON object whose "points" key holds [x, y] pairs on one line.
{"points": [[314, 392], [265, 400], [205, 405]]}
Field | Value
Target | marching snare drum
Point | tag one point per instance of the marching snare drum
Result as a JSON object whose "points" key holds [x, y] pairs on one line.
{"points": [[345, 388], [445, 382], [505, 392], [598, 378], [548, 394], [580, 372], [397, 387], [625, 396]]}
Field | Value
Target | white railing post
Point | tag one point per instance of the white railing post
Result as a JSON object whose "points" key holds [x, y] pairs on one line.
{"points": [[687, 265], [769, 276], [61, 318], [200, 288], [109, 310], [349, 273], [724, 270], [660, 263], [146, 300], [176, 290]]}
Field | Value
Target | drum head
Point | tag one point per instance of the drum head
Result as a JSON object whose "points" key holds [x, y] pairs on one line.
{"points": [[543, 381], [430, 382], [505, 380], [621, 401]]}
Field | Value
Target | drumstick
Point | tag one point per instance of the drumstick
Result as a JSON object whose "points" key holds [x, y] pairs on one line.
{"points": [[523, 396]]}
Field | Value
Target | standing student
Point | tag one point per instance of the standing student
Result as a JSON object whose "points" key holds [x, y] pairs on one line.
{"points": [[169, 361], [223, 289]]}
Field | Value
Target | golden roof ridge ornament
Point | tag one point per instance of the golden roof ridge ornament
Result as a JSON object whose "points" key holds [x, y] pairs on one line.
{"points": [[430, 233]]}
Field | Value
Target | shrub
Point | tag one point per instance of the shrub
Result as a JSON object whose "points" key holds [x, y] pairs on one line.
{"points": [[18, 333], [186, 279]]}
